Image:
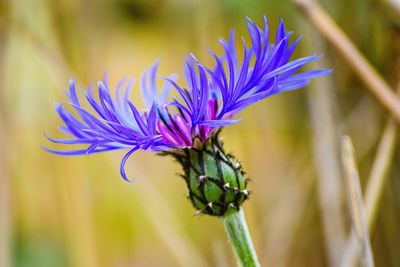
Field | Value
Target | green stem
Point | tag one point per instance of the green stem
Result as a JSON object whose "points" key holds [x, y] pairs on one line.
{"points": [[240, 240]]}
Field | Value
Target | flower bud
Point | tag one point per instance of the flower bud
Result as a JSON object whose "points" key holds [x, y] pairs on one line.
{"points": [[214, 179]]}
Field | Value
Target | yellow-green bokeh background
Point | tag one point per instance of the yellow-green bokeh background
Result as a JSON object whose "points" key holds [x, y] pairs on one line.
{"points": [[77, 211]]}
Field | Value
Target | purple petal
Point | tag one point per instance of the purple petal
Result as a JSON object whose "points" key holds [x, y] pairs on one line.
{"points": [[123, 161]]}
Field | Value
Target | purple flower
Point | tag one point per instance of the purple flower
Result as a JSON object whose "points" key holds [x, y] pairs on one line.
{"points": [[213, 96]]}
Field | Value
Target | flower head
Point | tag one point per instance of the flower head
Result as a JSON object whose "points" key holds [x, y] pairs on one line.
{"points": [[213, 96]]}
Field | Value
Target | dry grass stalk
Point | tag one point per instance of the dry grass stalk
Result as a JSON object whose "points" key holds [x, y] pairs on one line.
{"points": [[380, 168], [5, 200], [379, 172], [356, 204], [321, 100], [360, 65], [5, 181], [376, 183]]}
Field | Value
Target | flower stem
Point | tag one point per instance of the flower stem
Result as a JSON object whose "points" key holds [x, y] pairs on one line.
{"points": [[240, 240]]}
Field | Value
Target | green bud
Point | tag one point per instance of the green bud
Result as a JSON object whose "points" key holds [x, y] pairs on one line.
{"points": [[214, 179]]}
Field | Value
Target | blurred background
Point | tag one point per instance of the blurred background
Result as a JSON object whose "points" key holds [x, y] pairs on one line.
{"points": [[78, 211]]}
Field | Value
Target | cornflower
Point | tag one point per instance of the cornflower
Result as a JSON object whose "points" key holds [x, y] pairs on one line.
{"points": [[187, 126]]}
